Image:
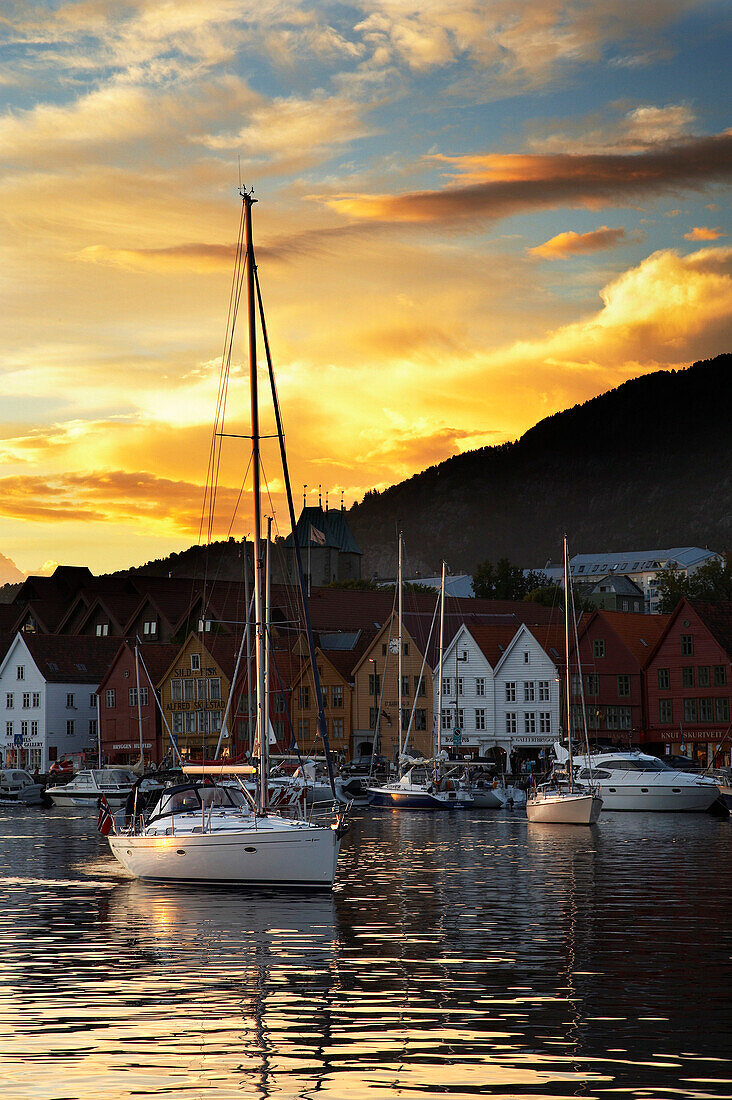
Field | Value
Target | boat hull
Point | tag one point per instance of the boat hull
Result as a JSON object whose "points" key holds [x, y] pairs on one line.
{"points": [[658, 798], [303, 856], [395, 799], [564, 809], [485, 798], [89, 800]]}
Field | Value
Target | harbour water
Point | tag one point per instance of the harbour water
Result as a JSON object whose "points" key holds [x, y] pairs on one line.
{"points": [[464, 954]]}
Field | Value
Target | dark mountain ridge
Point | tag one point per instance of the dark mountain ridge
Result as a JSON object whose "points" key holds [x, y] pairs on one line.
{"points": [[646, 465]]}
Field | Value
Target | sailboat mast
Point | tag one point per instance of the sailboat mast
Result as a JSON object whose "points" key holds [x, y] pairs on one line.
{"points": [[261, 721], [401, 646], [137, 690], [438, 720], [566, 652]]}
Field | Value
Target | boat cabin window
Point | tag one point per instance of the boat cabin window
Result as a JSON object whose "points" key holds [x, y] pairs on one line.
{"points": [[84, 779], [596, 773], [179, 802], [222, 796]]}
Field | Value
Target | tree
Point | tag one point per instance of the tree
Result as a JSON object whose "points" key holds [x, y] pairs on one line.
{"points": [[505, 581], [712, 583]]}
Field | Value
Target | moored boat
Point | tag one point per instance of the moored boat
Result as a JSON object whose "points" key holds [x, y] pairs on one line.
{"points": [[87, 787]]}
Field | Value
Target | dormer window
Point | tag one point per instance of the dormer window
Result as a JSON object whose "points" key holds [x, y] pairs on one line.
{"points": [[195, 662], [150, 627], [102, 630]]}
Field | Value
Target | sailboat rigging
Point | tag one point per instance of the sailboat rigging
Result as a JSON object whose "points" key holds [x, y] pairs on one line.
{"points": [[562, 800], [197, 832]]}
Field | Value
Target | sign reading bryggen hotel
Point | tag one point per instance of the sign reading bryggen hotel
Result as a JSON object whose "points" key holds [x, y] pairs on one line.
{"points": [[193, 695]]}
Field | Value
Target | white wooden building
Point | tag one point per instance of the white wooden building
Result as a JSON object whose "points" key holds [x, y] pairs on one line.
{"points": [[500, 689], [48, 705]]}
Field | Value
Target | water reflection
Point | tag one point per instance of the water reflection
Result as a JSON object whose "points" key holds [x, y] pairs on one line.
{"points": [[459, 954]]}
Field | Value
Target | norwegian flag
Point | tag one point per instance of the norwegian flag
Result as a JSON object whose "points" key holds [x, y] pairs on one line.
{"points": [[105, 820]]}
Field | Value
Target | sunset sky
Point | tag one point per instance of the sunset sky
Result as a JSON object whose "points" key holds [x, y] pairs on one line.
{"points": [[471, 215]]}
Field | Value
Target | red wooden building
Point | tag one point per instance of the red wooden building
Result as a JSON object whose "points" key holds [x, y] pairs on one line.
{"points": [[120, 719], [614, 648], [689, 684]]}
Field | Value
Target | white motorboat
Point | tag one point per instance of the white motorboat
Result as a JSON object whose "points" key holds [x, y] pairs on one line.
{"points": [[563, 800], [635, 781], [214, 834], [86, 788], [18, 785]]}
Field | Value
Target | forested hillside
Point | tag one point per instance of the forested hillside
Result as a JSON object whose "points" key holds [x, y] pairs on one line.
{"points": [[648, 464]]}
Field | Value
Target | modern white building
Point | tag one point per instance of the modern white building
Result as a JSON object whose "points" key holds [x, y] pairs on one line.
{"points": [[642, 566], [500, 689], [48, 705]]}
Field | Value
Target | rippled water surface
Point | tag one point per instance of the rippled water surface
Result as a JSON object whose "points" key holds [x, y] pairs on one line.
{"points": [[461, 954]]}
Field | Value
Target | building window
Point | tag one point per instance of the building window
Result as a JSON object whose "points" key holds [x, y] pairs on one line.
{"points": [[102, 630], [23, 729], [545, 721], [687, 645], [8, 729], [687, 676], [150, 627], [544, 690], [406, 649], [195, 662], [110, 697], [70, 701], [419, 688], [373, 715], [690, 710], [480, 719], [420, 719], [374, 683], [214, 689], [20, 672], [9, 700], [383, 649], [527, 657], [337, 695], [445, 685], [176, 691], [70, 727], [598, 647], [623, 684], [447, 719], [189, 721], [459, 685], [720, 675], [405, 686], [664, 679], [624, 718], [702, 676], [189, 691], [528, 691], [27, 699], [337, 729], [575, 684], [177, 721], [92, 727], [92, 700], [480, 687], [529, 722], [665, 711], [706, 710], [460, 718], [510, 721], [132, 696], [34, 729], [510, 691], [721, 707], [592, 682], [303, 697]]}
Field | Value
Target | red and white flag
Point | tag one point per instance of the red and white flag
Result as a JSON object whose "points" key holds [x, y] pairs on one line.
{"points": [[105, 820]]}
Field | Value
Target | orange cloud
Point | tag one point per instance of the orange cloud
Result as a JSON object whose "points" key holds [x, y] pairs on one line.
{"points": [[570, 243], [703, 233], [506, 184]]}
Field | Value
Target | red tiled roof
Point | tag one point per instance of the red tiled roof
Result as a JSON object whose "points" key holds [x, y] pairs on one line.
{"points": [[718, 620], [638, 632], [63, 658], [494, 640]]}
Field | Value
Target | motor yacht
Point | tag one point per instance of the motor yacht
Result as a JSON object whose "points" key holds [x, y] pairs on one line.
{"points": [[637, 781], [86, 788], [417, 789], [18, 785]]}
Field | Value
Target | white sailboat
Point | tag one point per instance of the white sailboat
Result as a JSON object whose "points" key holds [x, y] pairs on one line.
{"points": [[421, 786], [202, 832], [563, 801]]}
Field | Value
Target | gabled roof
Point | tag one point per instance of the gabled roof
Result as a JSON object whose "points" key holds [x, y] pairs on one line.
{"points": [[64, 582], [619, 584], [333, 524], [74, 659], [718, 620], [493, 641], [156, 658], [639, 633]]}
